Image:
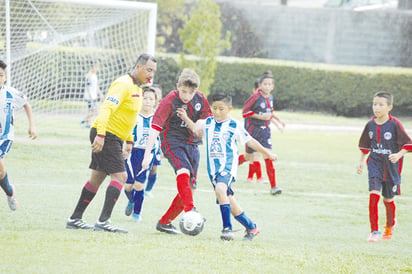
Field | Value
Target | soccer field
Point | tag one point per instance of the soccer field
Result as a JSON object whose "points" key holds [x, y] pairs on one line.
{"points": [[318, 225]]}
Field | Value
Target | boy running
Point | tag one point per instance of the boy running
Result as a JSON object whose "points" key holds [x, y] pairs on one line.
{"points": [[179, 145], [386, 142]]}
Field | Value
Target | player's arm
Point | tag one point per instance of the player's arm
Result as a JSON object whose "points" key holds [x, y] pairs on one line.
{"points": [[153, 135], [276, 121], [29, 114], [258, 147], [404, 142]]}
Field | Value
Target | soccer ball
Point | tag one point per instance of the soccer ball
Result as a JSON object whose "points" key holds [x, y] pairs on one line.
{"points": [[192, 223]]}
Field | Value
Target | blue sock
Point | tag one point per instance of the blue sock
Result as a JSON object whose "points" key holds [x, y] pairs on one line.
{"points": [[138, 198], [245, 221], [129, 195], [151, 180], [225, 212], [5, 185]]}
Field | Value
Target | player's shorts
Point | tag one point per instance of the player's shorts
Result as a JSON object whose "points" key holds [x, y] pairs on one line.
{"points": [[157, 161], [389, 189], [181, 155], [223, 177], [134, 167], [89, 104], [262, 135], [110, 159], [5, 146]]}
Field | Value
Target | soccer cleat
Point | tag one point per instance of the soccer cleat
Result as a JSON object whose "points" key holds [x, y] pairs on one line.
{"points": [[387, 234], [261, 181], [12, 201], [136, 217], [251, 233], [77, 224], [374, 236], [129, 209], [168, 228], [249, 180], [107, 226], [148, 194], [227, 234], [275, 190]]}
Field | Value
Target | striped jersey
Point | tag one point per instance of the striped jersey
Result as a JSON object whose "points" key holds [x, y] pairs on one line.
{"points": [[257, 104], [118, 113], [222, 140], [10, 100], [380, 141], [141, 131]]}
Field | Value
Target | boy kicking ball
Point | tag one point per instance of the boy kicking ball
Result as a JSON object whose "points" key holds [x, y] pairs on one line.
{"points": [[386, 142]]}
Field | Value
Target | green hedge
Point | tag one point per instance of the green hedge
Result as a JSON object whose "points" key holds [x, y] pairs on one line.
{"points": [[335, 89]]}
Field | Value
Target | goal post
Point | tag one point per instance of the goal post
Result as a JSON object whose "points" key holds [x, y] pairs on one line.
{"points": [[48, 46]]}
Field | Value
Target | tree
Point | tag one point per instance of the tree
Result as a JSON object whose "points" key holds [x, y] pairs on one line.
{"points": [[201, 36]]}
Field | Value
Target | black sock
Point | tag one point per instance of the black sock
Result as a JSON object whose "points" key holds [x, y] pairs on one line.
{"points": [[4, 183], [112, 194], [85, 198]]}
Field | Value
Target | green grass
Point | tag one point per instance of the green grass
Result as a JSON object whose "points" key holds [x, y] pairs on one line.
{"points": [[318, 225]]}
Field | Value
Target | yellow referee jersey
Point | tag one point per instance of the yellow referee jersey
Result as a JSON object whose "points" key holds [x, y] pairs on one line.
{"points": [[118, 113]]}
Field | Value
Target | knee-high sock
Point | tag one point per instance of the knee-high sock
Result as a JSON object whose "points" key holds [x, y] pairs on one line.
{"points": [[174, 210], [129, 194], [245, 221], [242, 159], [373, 211], [390, 213], [86, 196], [251, 171], [112, 194], [270, 170], [258, 170], [151, 180], [138, 198], [5, 185], [225, 213], [185, 192]]}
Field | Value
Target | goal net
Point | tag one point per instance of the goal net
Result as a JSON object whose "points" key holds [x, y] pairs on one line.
{"points": [[48, 46]]}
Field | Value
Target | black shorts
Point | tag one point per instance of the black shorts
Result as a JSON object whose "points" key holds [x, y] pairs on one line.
{"points": [[110, 159], [262, 135], [387, 188]]}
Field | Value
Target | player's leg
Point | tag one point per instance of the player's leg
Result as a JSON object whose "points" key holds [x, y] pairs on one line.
{"points": [[389, 190], [151, 180], [375, 186], [87, 194], [4, 179], [138, 198], [251, 228], [258, 167], [221, 189], [131, 169]]}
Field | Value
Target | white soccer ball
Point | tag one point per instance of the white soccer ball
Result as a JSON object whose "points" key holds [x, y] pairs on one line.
{"points": [[192, 223]]}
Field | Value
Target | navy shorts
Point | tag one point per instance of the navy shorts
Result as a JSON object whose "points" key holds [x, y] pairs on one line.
{"points": [[157, 161], [110, 159], [89, 104], [134, 166], [5, 146], [182, 155], [223, 177], [262, 135], [389, 189]]}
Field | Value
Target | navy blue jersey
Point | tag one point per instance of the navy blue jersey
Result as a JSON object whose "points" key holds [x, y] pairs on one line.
{"points": [[257, 104], [380, 141], [174, 129]]}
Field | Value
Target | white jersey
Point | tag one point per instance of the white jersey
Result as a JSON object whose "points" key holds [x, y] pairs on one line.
{"points": [[92, 85], [10, 99], [141, 131], [222, 146]]}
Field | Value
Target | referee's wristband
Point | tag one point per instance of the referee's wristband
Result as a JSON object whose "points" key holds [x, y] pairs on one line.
{"points": [[130, 142]]}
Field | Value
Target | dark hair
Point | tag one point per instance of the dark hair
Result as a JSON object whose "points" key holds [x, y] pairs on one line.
{"points": [[3, 65], [266, 75], [150, 89], [384, 94], [144, 58], [222, 97], [256, 83]]}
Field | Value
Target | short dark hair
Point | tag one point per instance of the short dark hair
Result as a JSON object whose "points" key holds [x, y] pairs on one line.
{"points": [[256, 83], [266, 75], [150, 89], [384, 94], [3, 65], [222, 97], [144, 58]]}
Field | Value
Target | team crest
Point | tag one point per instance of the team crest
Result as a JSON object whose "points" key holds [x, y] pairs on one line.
{"points": [[197, 107], [394, 188], [387, 135], [262, 105], [225, 136], [370, 134]]}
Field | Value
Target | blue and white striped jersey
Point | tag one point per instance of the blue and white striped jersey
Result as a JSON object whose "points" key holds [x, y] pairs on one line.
{"points": [[10, 100], [141, 132], [222, 145]]}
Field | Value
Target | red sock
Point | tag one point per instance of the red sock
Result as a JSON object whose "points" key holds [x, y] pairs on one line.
{"points": [[251, 171], [242, 159], [258, 170], [390, 213], [270, 170], [174, 210], [373, 211], [185, 192]]}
